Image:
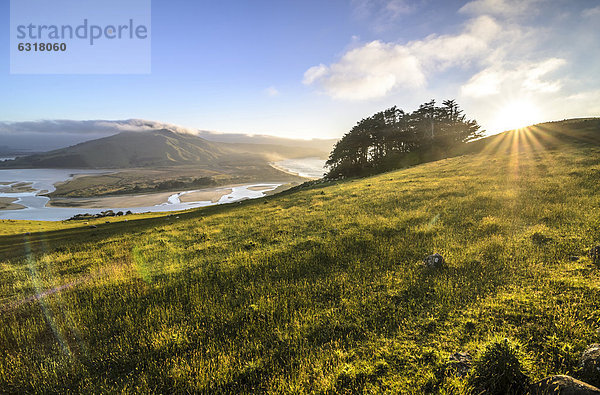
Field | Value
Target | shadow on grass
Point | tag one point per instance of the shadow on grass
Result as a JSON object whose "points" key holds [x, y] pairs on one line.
{"points": [[17, 245]]}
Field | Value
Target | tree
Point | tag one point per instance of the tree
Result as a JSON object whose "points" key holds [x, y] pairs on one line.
{"points": [[392, 138]]}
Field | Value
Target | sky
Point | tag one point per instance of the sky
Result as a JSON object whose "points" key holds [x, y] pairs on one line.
{"points": [[313, 68]]}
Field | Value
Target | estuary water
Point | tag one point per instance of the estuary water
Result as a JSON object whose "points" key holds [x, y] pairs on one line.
{"points": [[34, 183], [42, 181], [305, 167]]}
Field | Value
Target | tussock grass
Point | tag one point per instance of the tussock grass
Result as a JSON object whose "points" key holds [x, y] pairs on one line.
{"points": [[320, 290]]}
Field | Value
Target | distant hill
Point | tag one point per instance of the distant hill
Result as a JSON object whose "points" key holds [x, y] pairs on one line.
{"points": [[48, 135], [163, 147], [237, 138]]}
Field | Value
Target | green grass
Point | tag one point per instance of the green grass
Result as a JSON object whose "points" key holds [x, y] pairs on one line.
{"points": [[318, 290]]}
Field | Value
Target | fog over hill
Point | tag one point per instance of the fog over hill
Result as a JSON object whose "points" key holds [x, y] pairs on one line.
{"points": [[47, 135], [162, 147]]}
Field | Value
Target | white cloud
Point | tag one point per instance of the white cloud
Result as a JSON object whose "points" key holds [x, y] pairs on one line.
{"points": [[504, 8], [526, 77], [376, 69], [533, 76], [495, 64], [315, 73], [441, 52], [591, 12], [272, 91], [484, 83], [368, 72], [62, 126], [503, 53]]}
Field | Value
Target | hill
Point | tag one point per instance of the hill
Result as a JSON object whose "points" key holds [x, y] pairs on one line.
{"points": [[321, 289], [46, 135], [547, 135], [155, 148]]}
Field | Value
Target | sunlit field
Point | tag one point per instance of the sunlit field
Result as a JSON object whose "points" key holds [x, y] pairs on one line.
{"points": [[319, 289]]}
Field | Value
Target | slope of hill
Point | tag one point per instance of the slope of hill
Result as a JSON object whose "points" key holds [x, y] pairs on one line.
{"points": [[317, 290], [548, 135], [129, 149], [162, 147]]}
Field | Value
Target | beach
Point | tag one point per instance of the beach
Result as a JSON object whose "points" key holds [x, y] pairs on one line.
{"points": [[143, 200]]}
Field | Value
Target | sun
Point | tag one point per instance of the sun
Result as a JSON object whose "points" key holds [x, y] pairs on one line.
{"points": [[516, 114]]}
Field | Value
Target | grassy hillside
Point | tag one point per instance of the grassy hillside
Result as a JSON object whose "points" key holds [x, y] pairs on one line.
{"points": [[320, 289], [547, 135]]}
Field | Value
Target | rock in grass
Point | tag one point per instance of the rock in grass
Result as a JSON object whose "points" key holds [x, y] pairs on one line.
{"points": [[460, 363], [595, 254], [434, 261], [589, 365], [563, 385]]}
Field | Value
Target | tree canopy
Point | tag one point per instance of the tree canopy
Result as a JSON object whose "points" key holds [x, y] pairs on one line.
{"points": [[393, 138]]}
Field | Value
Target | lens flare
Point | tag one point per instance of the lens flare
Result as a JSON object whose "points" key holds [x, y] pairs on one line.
{"points": [[516, 114]]}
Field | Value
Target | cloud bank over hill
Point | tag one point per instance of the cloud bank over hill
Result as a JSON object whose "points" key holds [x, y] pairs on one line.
{"points": [[46, 135], [64, 126]]}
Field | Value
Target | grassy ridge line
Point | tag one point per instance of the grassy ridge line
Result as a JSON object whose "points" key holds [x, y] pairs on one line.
{"points": [[318, 290]]}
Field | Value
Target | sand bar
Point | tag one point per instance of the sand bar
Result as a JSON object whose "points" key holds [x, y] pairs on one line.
{"points": [[145, 200], [212, 195], [7, 204], [17, 188], [259, 188], [142, 200]]}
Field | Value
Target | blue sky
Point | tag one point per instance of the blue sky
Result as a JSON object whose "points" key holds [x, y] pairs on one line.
{"points": [[313, 68]]}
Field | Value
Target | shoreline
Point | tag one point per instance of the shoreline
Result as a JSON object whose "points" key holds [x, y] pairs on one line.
{"points": [[110, 201], [145, 200], [39, 206], [286, 171], [300, 172], [212, 195]]}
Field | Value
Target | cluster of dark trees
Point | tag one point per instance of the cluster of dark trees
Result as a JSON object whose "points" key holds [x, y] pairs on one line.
{"points": [[393, 138], [103, 214]]}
